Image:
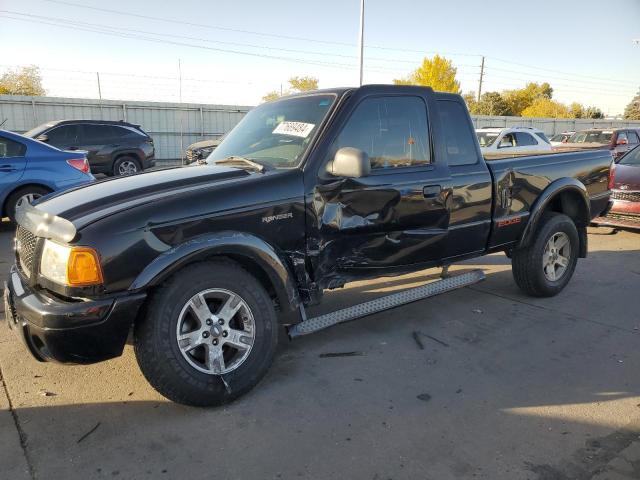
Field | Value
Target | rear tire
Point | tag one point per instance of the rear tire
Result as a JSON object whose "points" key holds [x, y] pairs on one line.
{"points": [[126, 165], [28, 194], [199, 376], [545, 267]]}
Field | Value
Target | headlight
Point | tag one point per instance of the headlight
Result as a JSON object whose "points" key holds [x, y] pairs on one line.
{"points": [[73, 266]]}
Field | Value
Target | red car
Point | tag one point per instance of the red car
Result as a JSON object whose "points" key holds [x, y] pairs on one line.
{"points": [[624, 183]]}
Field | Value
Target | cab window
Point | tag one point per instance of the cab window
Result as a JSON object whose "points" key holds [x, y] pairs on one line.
{"points": [[392, 131]]}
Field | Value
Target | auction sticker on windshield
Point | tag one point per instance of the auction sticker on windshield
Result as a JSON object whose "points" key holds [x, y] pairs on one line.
{"points": [[295, 129]]}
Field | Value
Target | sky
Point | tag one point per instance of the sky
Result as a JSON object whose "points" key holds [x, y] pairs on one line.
{"points": [[235, 52]]}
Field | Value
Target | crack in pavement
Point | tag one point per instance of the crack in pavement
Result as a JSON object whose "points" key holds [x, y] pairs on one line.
{"points": [[21, 433], [567, 315]]}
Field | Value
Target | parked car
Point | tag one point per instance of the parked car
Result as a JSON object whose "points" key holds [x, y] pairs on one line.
{"points": [[114, 147], [618, 140], [199, 151], [512, 141], [625, 193], [30, 169], [560, 138], [305, 194]]}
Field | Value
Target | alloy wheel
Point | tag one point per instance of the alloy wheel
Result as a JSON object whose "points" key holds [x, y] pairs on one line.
{"points": [[556, 256], [215, 331]]}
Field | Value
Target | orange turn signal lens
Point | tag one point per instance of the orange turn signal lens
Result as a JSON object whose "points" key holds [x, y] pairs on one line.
{"points": [[83, 267]]}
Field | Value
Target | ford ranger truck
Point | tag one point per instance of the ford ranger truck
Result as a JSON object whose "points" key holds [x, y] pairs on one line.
{"points": [[206, 265]]}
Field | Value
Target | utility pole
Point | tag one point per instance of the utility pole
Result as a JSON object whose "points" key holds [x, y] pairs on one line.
{"points": [[481, 77], [99, 89], [99, 93], [181, 113], [361, 40]]}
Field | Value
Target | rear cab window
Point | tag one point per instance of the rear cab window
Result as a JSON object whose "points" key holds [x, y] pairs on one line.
{"points": [[458, 134]]}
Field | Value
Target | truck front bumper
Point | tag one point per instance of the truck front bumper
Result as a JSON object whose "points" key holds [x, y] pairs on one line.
{"points": [[78, 332]]}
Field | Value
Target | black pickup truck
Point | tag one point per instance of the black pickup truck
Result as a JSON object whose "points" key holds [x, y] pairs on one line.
{"points": [[207, 264]]}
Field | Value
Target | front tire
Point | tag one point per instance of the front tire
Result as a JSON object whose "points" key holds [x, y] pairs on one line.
{"points": [[545, 267], [126, 166], [209, 334]]}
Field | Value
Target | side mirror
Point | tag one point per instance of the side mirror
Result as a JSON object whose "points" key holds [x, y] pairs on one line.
{"points": [[350, 162], [42, 138]]}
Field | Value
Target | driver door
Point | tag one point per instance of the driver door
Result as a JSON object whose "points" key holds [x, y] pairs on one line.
{"points": [[393, 218]]}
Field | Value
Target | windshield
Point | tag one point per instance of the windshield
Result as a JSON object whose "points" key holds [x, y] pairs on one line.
{"points": [[592, 136], [486, 139], [276, 134], [631, 158]]}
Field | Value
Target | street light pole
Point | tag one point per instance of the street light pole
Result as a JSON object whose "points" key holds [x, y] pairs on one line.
{"points": [[361, 40]]}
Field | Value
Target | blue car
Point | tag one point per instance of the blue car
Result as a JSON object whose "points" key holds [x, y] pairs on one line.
{"points": [[30, 169]]}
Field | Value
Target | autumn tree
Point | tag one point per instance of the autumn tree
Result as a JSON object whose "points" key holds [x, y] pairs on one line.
{"points": [[521, 98], [545, 107], [632, 112], [437, 73], [22, 81], [491, 103], [470, 99], [296, 85]]}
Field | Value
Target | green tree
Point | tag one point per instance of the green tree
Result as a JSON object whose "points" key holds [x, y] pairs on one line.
{"points": [[632, 112], [22, 81], [437, 73], [593, 112], [545, 107], [296, 85], [519, 99], [491, 103]]}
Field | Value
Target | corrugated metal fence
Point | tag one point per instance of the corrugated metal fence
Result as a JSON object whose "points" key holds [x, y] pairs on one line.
{"points": [[174, 126], [550, 126], [171, 125]]}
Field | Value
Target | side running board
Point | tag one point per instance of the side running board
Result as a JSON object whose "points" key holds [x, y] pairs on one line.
{"points": [[384, 303]]}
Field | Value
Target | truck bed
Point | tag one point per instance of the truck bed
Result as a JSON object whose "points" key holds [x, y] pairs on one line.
{"points": [[519, 183]]}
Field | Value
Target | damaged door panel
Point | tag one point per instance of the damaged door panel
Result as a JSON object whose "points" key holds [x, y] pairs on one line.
{"points": [[398, 215]]}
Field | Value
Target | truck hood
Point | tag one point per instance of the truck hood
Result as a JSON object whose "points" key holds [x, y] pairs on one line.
{"points": [[86, 204]]}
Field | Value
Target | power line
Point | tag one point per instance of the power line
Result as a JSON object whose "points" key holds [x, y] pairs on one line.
{"points": [[545, 75], [557, 71], [173, 21], [164, 34], [137, 34], [555, 84]]}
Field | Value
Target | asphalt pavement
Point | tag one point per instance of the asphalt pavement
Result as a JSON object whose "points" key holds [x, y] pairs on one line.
{"points": [[480, 383]]}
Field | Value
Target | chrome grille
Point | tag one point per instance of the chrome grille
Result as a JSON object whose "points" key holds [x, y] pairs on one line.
{"points": [[626, 196], [627, 217], [25, 250]]}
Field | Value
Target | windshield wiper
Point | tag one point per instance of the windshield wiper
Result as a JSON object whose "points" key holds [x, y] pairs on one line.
{"points": [[241, 162]]}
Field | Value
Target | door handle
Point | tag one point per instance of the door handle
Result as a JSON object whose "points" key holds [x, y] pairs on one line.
{"points": [[7, 168], [431, 191]]}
